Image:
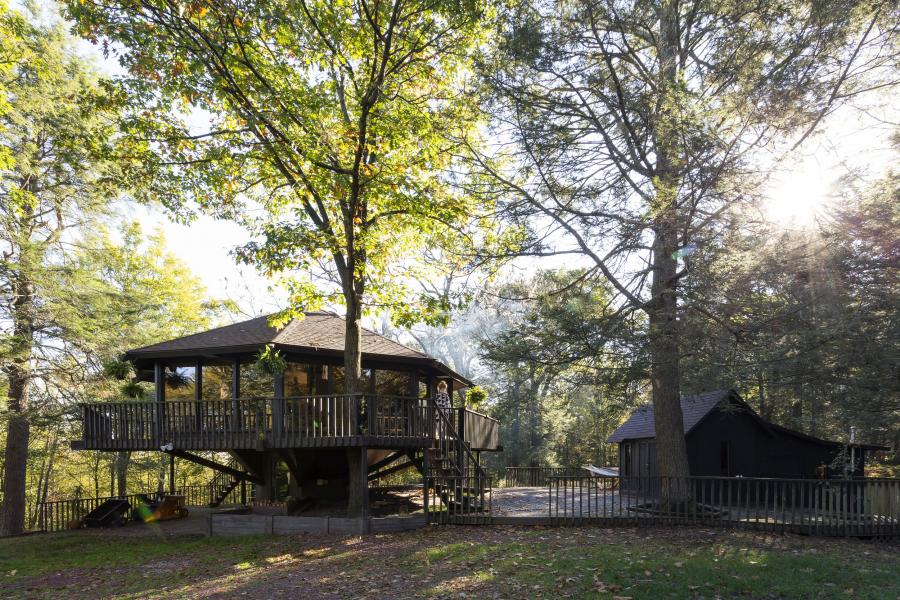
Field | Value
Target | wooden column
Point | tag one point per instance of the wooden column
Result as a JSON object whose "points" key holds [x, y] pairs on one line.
{"points": [[235, 394], [198, 395], [159, 379], [411, 410], [413, 389], [278, 406]]}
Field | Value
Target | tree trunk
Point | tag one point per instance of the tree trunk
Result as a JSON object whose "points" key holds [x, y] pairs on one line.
{"points": [[12, 511], [761, 387], [358, 489], [665, 376], [352, 339], [122, 461], [96, 473], [18, 372], [664, 347]]}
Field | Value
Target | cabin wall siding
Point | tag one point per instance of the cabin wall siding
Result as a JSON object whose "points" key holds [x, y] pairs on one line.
{"points": [[742, 434]]}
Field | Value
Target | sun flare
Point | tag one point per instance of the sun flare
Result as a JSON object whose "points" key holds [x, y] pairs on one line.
{"points": [[797, 197]]}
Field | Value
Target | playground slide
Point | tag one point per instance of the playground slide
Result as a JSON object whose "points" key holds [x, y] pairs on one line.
{"points": [[112, 512]]}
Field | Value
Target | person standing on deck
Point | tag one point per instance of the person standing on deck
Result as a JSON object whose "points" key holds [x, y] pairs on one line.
{"points": [[442, 399]]}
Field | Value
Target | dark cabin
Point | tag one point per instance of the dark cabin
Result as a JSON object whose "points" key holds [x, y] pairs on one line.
{"points": [[296, 433], [727, 438]]}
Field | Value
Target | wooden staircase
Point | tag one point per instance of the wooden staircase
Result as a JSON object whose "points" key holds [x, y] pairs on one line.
{"points": [[454, 478], [220, 486]]}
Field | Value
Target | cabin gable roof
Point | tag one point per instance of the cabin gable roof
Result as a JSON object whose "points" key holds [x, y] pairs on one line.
{"points": [[694, 409], [697, 407]]}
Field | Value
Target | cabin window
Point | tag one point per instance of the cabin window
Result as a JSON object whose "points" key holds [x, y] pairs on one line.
{"points": [[725, 458], [217, 382], [391, 383], [180, 383], [255, 382], [626, 460], [340, 385], [299, 380]]}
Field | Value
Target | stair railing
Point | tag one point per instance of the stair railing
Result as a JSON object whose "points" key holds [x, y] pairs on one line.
{"points": [[459, 486]]}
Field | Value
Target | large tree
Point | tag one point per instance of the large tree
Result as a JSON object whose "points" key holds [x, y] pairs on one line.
{"points": [[635, 126], [56, 179], [327, 138]]}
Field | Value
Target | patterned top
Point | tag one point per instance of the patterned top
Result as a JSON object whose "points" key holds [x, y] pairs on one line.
{"points": [[442, 400]]}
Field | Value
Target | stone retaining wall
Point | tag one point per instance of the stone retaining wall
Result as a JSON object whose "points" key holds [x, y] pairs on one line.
{"points": [[283, 525]]}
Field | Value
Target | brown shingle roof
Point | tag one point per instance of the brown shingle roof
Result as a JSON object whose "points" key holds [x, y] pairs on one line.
{"points": [[317, 331], [693, 408]]}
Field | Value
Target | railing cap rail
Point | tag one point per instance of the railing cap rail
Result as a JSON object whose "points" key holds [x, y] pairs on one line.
{"points": [[725, 478], [250, 398], [475, 412]]}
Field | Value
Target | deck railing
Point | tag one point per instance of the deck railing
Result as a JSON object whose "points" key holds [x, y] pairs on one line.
{"points": [[59, 515], [538, 476], [254, 423], [832, 507], [481, 431]]}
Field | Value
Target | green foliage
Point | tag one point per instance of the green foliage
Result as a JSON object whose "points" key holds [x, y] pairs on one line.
{"points": [[632, 131], [565, 370], [74, 292], [117, 369], [270, 360], [476, 396], [805, 323], [334, 129], [133, 391]]}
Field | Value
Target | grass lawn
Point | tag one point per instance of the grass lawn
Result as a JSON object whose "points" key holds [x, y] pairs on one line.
{"points": [[458, 562]]}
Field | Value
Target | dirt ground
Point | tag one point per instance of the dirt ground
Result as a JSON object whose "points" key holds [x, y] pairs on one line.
{"points": [[172, 561]]}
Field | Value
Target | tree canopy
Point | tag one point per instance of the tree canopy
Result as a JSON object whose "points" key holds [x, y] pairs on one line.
{"points": [[71, 296], [329, 133]]}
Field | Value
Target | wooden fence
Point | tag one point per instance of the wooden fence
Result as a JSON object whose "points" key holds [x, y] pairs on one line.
{"points": [[857, 508], [538, 476], [59, 515]]}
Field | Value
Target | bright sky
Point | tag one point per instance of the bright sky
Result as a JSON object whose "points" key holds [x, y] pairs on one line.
{"points": [[850, 139]]}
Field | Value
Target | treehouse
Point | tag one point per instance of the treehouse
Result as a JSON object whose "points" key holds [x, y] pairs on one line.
{"points": [[289, 425]]}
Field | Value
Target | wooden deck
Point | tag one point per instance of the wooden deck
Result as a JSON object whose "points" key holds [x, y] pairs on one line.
{"points": [[290, 422]]}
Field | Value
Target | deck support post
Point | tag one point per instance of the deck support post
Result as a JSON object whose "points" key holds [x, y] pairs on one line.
{"points": [[358, 488], [171, 474]]}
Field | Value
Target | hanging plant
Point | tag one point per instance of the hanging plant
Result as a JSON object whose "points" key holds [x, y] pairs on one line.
{"points": [[133, 391], [270, 360], [176, 379], [118, 369], [475, 397]]}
